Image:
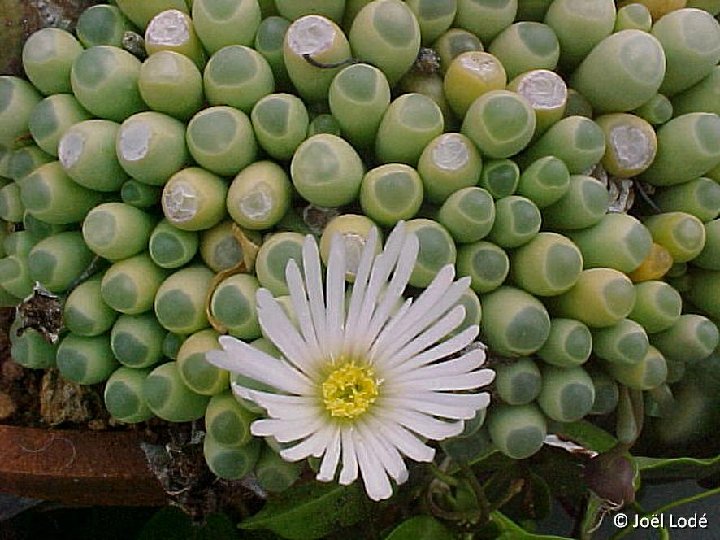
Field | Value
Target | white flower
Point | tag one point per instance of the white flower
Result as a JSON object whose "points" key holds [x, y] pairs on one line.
{"points": [[365, 386]]}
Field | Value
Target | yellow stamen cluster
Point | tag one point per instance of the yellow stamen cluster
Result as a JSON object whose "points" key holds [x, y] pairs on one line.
{"points": [[349, 390]]}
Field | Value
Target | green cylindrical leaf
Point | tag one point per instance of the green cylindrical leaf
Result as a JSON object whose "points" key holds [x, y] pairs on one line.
{"points": [[85, 312], [695, 137], [650, 372], [180, 300], [657, 306], [230, 462], [273, 258], [52, 117], [569, 343], [327, 171], [617, 241], [691, 40], [580, 25], [709, 257], [171, 83], [105, 82], [59, 260], [691, 339], [514, 322], [221, 140], [194, 199], [222, 23], [699, 197], [358, 97], [486, 264], [390, 193], [124, 395], [102, 25], [623, 343], [486, 18], [86, 360], [117, 231], [19, 100], [173, 30], [386, 34], [129, 286], [195, 371], [547, 265], [232, 305], [630, 59], [314, 50], [170, 247], [525, 46], [151, 147], [567, 393], [683, 235], [517, 430], [519, 382], [517, 221], [410, 123], [136, 340], [437, 249], [259, 196], [227, 421], [281, 122], [545, 181], [584, 204], [87, 153], [468, 214], [47, 56], [238, 76], [169, 398], [600, 297], [577, 140]]}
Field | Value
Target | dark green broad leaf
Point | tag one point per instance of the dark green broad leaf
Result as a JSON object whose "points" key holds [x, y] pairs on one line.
{"points": [[522, 493], [684, 468], [171, 523], [420, 528], [311, 511], [469, 450], [587, 435], [509, 530]]}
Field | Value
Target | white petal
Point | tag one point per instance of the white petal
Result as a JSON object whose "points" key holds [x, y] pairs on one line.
{"points": [[278, 328], [386, 454], [360, 285], [440, 351], [315, 445], [429, 298], [397, 286], [331, 458], [382, 267], [403, 440], [464, 381], [286, 431], [239, 357], [335, 296], [432, 335], [467, 362], [422, 424], [441, 295], [349, 471], [280, 405], [298, 295], [314, 286], [377, 484], [434, 404]]}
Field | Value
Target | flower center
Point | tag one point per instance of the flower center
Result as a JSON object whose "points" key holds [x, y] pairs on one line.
{"points": [[349, 391]]}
